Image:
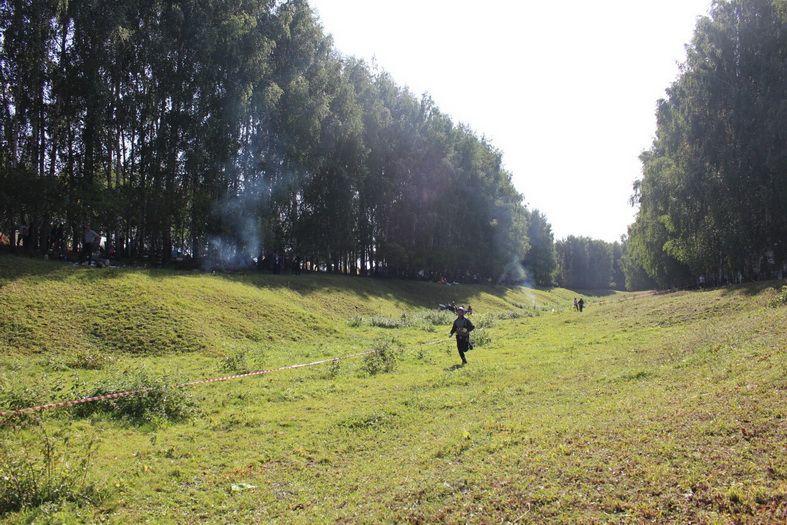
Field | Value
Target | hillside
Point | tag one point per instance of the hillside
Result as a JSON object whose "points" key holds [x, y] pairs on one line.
{"points": [[643, 408]]}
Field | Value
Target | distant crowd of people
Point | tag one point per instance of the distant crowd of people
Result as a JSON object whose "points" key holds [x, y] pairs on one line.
{"points": [[452, 307], [54, 243]]}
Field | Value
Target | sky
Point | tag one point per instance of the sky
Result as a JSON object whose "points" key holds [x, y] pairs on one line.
{"points": [[566, 89]]}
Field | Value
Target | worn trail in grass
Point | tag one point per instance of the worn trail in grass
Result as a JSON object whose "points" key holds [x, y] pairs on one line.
{"points": [[643, 408]]}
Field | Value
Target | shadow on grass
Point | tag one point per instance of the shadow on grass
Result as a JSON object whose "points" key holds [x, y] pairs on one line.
{"points": [[415, 294], [454, 368], [751, 289], [596, 293]]}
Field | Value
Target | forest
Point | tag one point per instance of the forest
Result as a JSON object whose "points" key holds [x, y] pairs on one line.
{"points": [[229, 132], [713, 195], [230, 135]]}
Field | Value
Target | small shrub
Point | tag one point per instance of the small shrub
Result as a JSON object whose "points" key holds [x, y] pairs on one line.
{"points": [[30, 478], [89, 360], [484, 321], [16, 395], [355, 321], [382, 358], [438, 317], [236, 362], [508, 315], [385, 322], [157, 400], [779, 298], [334, 368], [481, 338], [55, 363]]}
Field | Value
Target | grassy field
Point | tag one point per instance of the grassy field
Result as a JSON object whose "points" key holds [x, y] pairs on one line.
{"points": [[644, 408]]}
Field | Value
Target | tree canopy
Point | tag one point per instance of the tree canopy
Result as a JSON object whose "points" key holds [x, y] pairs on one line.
{"points": [[231, 131], [713, 195]]}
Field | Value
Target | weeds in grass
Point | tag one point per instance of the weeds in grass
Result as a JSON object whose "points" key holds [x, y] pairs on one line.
{"points": [[382, 359], [55, 472], [89, 360], [334, 368], [157, 400], [484, 321], [481, 338], [437, 318], [423, 319], [368, 421], [15, 395], [55, 363], [236, 362], [509, 314], [379, 321], [779, 298]]}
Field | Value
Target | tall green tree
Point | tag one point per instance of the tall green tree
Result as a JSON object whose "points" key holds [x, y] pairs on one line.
{"points": [[713, 188]]}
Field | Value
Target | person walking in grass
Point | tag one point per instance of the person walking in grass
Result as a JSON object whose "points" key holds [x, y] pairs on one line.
{"points": [[89, 243], [581, 304], [462, 328]]}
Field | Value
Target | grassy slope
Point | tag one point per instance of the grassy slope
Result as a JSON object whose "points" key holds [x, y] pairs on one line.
{"points": [[647, 408]]}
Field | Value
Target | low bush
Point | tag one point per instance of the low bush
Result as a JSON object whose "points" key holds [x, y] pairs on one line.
{"points": [[15, 394], [334, 368], [55, 472], [438, 317], [89, 360], [484, 321], [508, 315], [382, 359], [779, 298], [481, 338], [386, 322], [157, 399], [236, 362]]}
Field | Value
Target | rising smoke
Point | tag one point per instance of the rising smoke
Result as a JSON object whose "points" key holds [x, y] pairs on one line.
{"points": [[239, 241]]}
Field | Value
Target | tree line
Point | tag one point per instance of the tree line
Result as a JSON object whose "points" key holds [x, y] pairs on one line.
{"points": [[227, 132], [236, 134], [713, 195]]}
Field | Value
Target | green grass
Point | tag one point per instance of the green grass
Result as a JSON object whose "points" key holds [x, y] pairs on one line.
{"points": [[645, 408]]}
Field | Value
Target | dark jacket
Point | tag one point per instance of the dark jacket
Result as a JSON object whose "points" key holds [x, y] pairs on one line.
{"points": [[459, 323]]}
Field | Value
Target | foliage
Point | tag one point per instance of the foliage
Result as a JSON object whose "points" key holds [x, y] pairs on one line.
{"points": [[385, 322], [779, 298], [584, 263], [540, 261], [57, 471], [222, 134], [236, 362], [711, 198], [89, 359], [481, 337], [383, 357], [158, 399]]}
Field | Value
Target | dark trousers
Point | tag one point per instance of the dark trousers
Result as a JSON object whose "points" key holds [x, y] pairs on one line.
{"points": [[462, 345], [87, 251]]}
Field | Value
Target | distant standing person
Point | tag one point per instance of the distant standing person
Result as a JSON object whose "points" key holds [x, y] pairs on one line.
{"points": [[89, 241], [24, 236], [576, 304], [581, 304], [462, 328]]}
